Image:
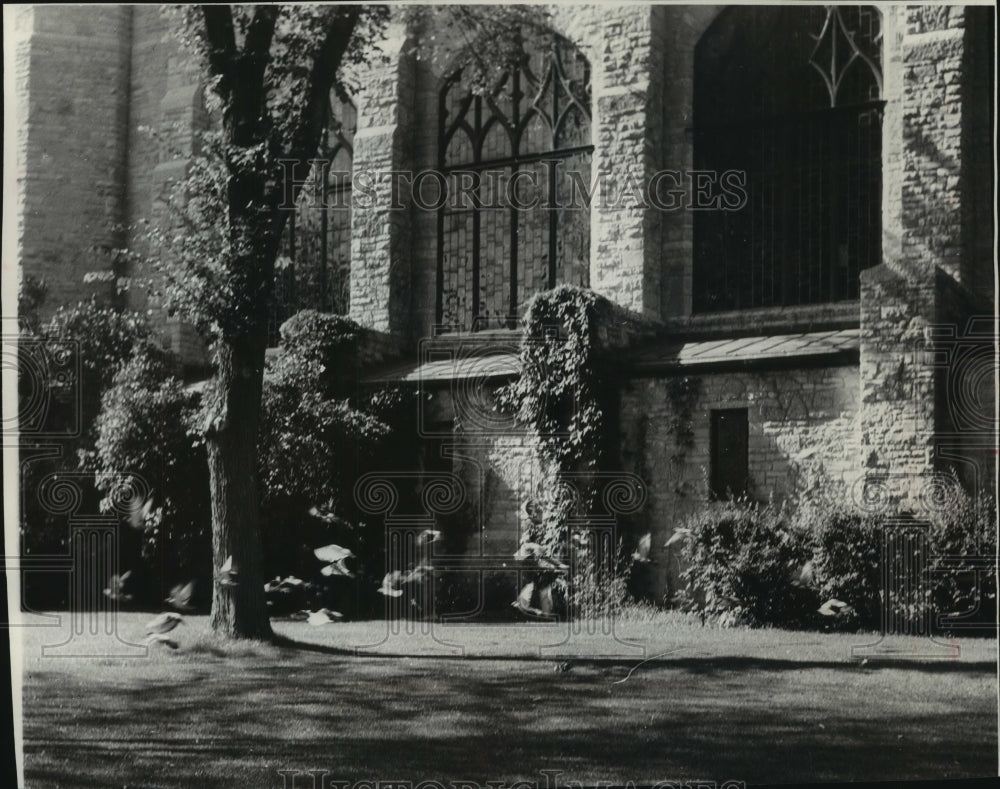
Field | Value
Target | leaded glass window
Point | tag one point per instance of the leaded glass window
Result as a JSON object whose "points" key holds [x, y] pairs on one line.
{"points": [[790, 96], [314, 264], [527, 138]]}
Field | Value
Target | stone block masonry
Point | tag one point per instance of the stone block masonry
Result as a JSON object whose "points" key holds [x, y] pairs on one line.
{"points": [[72, 64]]}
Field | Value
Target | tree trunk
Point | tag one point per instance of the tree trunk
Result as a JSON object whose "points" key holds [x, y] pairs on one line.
{"points": [[238, 605]]}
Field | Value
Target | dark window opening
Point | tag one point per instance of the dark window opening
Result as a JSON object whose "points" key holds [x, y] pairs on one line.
{"points": [[314, 264], [730, 453], [532, 128], [790, 96]]}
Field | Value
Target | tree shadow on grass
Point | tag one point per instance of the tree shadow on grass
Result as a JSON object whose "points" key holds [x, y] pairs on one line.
{"points": [[237, 722], [700, 664]]}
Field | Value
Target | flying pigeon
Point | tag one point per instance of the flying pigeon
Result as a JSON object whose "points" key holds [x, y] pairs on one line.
{"points": [[834, 607], [115, 589], [804, 575], [332, 553], [427, 536], [417, 574], [390, 584], [641, 553], [337, 568], [328, 517], [160, 638], [676, 537], [523, 602], [138, 512], [164, 623], [323, 617], [283, 585], [180, 596], [336, 558], [228, 573]]}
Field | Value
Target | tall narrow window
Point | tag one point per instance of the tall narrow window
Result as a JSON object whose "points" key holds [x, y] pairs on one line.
{"points": [[730, 452], [528, 138], [315, 259], [790, 96]]}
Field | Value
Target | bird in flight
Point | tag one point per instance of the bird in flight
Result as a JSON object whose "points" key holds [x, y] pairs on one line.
{"points": [[323, 616], [676, 537], [161, 638], [390, 584], [228, 573], [804, 575], [180, 597], [834, 607], [139, 512], [164, 623], [283, 585], [115, 589], [523, 601], [417, 574], [641, 553], [427, 536], [336, 559], [328, 517]]}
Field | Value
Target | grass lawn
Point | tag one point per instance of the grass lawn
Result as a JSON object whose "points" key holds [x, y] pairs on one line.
{"points": [[766, 706]]}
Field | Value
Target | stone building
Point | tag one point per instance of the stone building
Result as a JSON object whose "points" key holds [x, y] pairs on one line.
{"points": [[798, 199]]}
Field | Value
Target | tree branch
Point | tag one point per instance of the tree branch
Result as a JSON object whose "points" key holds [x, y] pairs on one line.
{"points": [[258, 42], [220, 38], [309, 126]]}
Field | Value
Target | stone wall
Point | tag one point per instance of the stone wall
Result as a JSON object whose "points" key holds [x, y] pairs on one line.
{"points": [[72, 73], [803, 432], [380, 235], [935, 250]]}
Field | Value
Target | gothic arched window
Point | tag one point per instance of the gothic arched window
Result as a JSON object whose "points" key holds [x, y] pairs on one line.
{"points": [[528, 138], [790, 96], [314, 264]]}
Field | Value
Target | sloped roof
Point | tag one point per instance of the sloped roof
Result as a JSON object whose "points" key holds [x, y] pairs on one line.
{"points": [[747, 350], [662, 356], [496, 365]]}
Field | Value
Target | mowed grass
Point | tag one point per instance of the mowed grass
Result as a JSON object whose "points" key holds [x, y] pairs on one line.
{"points": [[487, 703]]}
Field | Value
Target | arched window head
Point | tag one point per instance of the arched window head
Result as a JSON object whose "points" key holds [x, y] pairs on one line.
{"points": [[515, 158], [787, 99], [314, 264]]}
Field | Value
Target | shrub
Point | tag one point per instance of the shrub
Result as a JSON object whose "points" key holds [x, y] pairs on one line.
{"points": [[104, 340], [98, 341], [320, 352], [847, 561], [740, 561], [147, 439], [315, 443], [963, 545]]}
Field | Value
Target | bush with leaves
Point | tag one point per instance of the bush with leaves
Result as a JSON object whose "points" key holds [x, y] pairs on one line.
{"points": [[68, 363], [560, 398], [958, 574], [963, 546], [847, 561], [740, 565], [318, 437], [148, 441], [103, 339]]}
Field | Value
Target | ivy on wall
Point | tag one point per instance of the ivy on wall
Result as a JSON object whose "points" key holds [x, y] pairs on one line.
{"points": [[560, 398]]}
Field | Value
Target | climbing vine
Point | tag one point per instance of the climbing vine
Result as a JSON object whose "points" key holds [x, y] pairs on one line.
{"points": [[559, 398], [683, 394]]}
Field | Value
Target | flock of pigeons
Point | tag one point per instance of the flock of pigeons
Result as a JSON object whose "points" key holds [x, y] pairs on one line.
{"points": [[535, 599]]}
